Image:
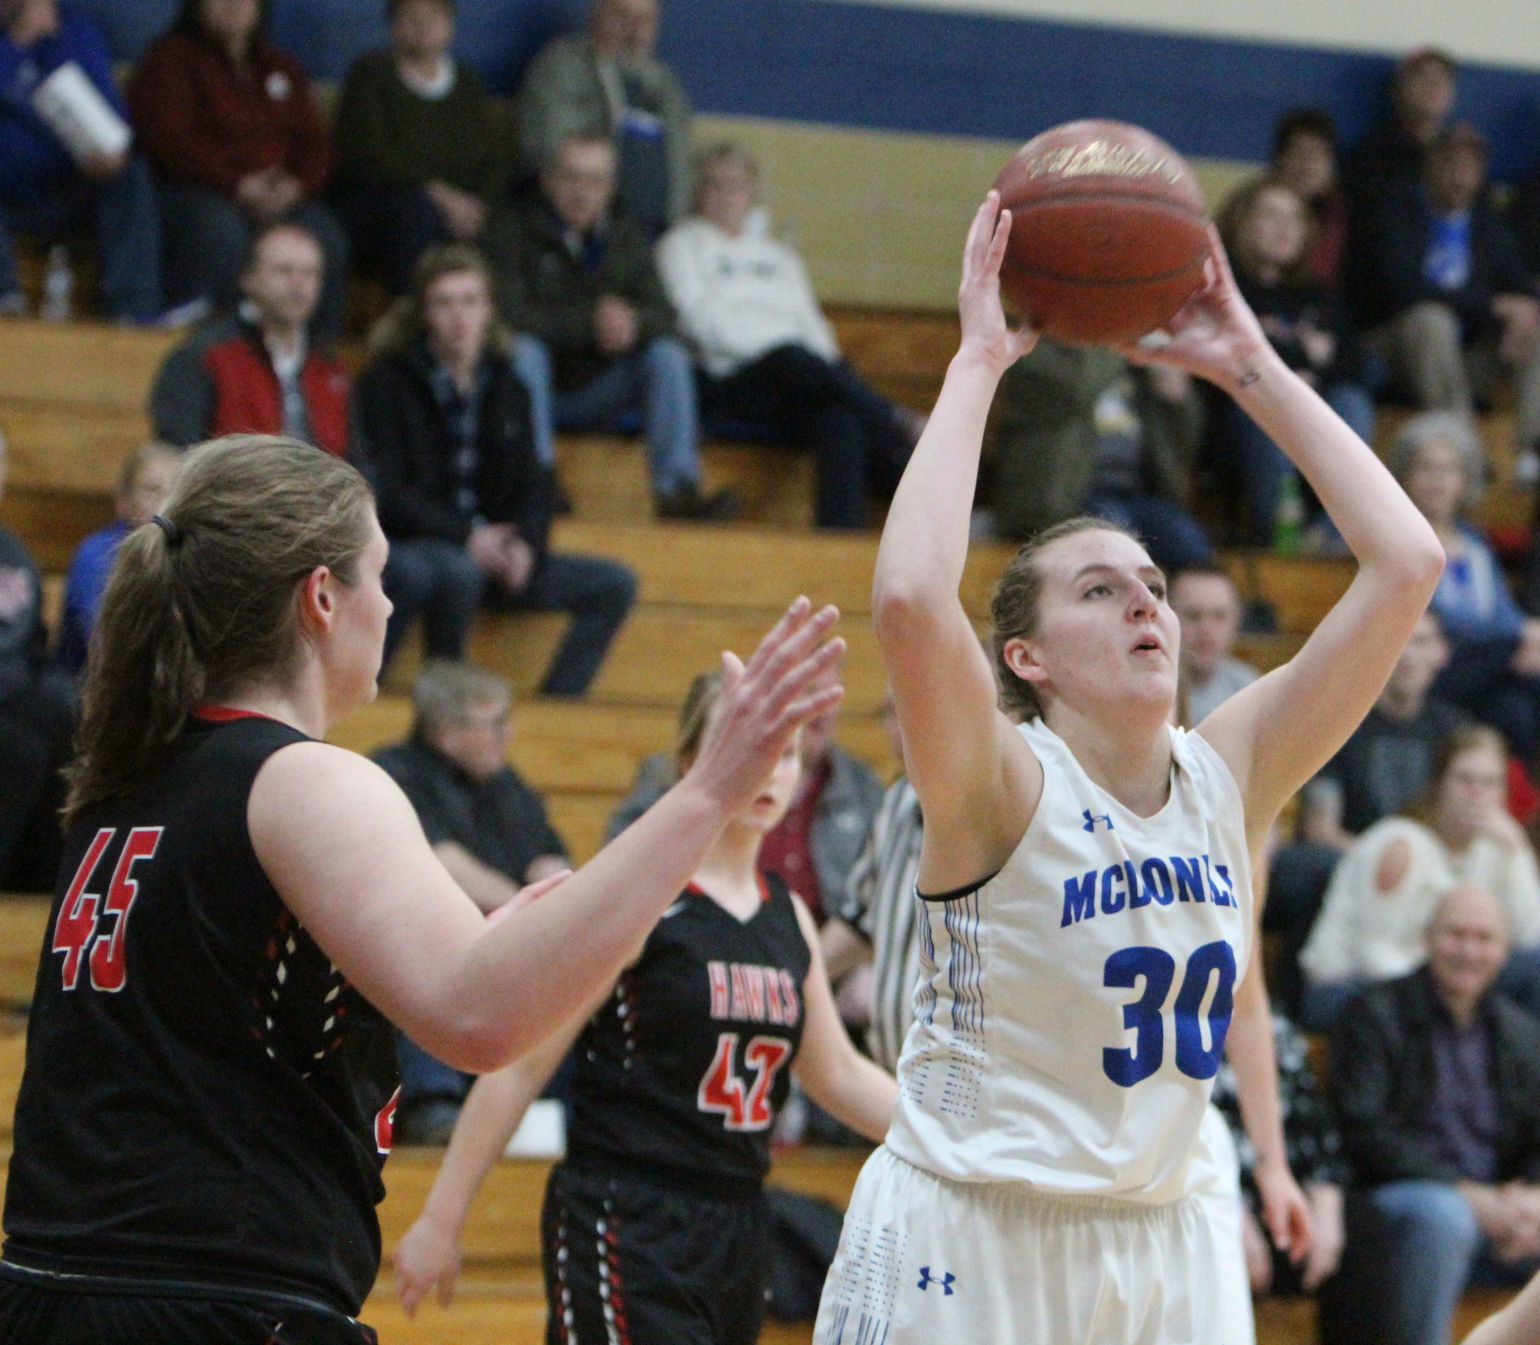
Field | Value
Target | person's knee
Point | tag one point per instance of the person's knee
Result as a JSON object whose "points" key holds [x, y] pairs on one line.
{"points": [[668, 359], [1431, 328], [1429, 1214]]}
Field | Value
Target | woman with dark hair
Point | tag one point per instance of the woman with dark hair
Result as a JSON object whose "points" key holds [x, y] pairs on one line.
{"points": [[1266, 228], [680, 1073], [1087, 920], [1304, 156], [227, 120], [208, 1095]]}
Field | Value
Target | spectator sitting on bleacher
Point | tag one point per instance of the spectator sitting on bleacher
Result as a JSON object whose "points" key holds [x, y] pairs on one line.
{"points": [[1494, 665], [1266, 227], [47, 191], [1305, 159], [1387, 763], [816, 845], [418, 155], [1388, 881], [595, 336], [767, 356], [486, 825], [607, 82], [1078, 430], [1209, 609], [257, 372], [142, 485], [1441, 288], [228, 122], [1436, 1079], [1315, 1158], [37, 722], [443, 424], [1390, 152]]}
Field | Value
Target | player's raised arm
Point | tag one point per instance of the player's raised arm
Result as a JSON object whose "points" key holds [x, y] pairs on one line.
{"points": [[1278, 732], [943, 687]]}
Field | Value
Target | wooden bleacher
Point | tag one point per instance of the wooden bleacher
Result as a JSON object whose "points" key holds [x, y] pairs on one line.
{"points": [[71, 404]]}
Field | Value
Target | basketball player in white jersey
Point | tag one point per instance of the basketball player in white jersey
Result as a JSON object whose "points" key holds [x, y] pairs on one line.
{"points": [[1087, 919]]}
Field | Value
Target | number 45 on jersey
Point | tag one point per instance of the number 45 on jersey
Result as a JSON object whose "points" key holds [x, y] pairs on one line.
{"points": [[78, 932]]}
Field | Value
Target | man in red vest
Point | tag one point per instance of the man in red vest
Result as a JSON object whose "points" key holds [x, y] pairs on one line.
{"points": [[256, 372]]}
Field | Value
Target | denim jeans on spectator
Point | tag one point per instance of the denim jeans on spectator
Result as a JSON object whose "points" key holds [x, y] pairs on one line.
{"points": [[437, 581], [657, 379], [389, 227], [1411, 1249], [1263, 465], [207, 234], [803, 398], [125, 215], [1174, 537]]}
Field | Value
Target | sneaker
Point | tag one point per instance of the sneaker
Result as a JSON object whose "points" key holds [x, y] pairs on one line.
{"points": [[14, 305], [687, 502]]}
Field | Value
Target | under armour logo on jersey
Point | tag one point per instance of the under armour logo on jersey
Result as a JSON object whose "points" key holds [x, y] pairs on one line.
{"points": [[945, 1280], [1094, 820]]}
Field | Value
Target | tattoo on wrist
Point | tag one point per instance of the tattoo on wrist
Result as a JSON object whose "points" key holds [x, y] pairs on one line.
{"points": [[1249, 377]]}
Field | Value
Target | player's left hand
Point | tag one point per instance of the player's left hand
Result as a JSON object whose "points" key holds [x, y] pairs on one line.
{"points": [[1285, 1209]]}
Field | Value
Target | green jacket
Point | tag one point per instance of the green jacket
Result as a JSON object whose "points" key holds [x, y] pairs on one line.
{"points": [[1044, 441], [543, 289]]}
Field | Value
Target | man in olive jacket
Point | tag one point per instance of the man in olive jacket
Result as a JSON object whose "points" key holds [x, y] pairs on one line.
{"points": [[1437, 1082], [595, 335], [1078, 430]]}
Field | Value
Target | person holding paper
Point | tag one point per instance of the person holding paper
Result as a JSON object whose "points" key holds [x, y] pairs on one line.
{"points": [[65, 161]]}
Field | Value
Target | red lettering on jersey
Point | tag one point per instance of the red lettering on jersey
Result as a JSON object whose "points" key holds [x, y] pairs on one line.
{"points": [[76, 923], [765, 1055], [791, 999], [721, 1090], [109, 969], [717, 973], [385, 1123], [773, 1010], [748, 992]]}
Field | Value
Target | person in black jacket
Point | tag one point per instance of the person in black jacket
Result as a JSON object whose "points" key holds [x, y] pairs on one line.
{"points": [[1441, 289], [1437, 1082], [443, 424]]}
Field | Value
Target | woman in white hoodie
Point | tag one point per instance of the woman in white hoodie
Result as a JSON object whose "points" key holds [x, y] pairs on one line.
{"points": [[766, 355]]}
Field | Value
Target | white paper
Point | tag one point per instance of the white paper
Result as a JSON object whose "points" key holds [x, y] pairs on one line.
{"points": [[542, 1133], [77, 113]]}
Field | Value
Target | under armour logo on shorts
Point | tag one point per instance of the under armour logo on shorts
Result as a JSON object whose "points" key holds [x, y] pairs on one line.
{"points": [[944, 1280], [1094, 820]]}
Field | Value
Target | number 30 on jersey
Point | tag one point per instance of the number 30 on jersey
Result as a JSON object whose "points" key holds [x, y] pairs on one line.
{"points": [[1126, 1066], [77, 933]]}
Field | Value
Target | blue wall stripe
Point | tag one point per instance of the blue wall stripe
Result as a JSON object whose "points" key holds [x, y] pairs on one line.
{"points": [[927, 71]]}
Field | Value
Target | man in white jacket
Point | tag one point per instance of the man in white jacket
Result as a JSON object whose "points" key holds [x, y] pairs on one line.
{"points": [[766, 355]]}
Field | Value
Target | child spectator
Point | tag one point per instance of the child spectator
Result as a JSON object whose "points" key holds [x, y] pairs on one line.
{"points": [[766, 354], [228, 122], [1267, 230], [608, 82], [418, 155], [142, 485], [444, 425], [45, 189]]}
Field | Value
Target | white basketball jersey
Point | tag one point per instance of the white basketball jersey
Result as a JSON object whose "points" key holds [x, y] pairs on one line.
{"points": [[1071, 1011]]}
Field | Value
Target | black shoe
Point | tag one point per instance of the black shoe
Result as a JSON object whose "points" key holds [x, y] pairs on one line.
{"points": [[721, 506]]}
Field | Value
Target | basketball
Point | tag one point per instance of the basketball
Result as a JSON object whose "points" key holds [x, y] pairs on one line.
{"points": [[1108, 232]]}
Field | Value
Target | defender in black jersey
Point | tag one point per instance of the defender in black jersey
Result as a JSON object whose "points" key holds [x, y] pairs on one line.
{"points": [[654, 1229], [210, 1082]]}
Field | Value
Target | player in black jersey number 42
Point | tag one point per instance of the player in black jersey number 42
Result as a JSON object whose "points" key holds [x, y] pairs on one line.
{"points": [[654, 1229]]}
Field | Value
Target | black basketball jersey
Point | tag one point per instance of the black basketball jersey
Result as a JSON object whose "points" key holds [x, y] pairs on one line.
{"points": [[682, 1071], [206, 1098]]}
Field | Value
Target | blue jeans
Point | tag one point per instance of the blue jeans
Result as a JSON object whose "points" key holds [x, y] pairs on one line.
{"points": [[125, 215], [207, 234], [1263, 465], [1174, 537], [657, 379], [438, 582]]}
